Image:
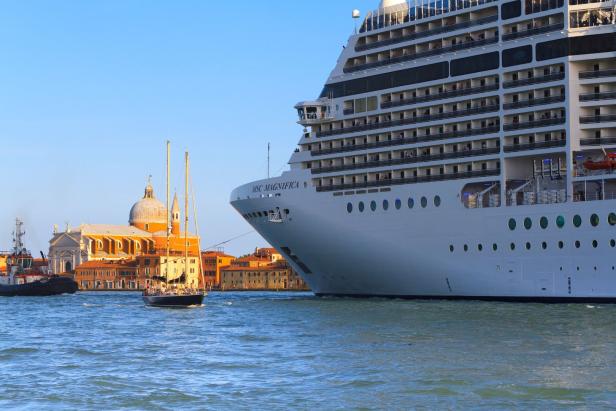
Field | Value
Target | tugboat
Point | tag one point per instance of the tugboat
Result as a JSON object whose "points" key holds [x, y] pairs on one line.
{"points": [[24, 280], [176, 293]]}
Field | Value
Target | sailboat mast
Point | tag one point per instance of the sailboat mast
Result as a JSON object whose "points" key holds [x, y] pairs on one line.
{"points": [[186, 217], [168, 215]]}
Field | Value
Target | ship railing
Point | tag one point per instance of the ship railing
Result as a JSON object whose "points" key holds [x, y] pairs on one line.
{"points": [[533, 31], [440, 96], [429, 53], [598, 96], [598, 119], [533, 102], [598, 141], [534, 124], [595, 196], [534, 80], [427, 33], [535, 146], [408, 160], [409, 140], [410, 180], [410, 120], [597, 74]]}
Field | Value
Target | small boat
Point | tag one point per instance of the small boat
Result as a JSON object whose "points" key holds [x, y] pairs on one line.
{"points": [[23, 279], [608, 163], [176, 293]]}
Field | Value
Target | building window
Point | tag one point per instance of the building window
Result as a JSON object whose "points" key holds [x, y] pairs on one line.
{"points": [[512, 224]]}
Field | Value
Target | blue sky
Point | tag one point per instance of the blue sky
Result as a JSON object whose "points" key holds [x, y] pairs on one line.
{"points": [[90, 91]]}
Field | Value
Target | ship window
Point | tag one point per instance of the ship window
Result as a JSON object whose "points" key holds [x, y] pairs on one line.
{"points": [[594, 220], [528, 223], [385, 205], [480, 247], [578, 244], [611, 219], [613, 243], [512, 246], [544, 222], [424, 202], [398, 204], [528, 246], [411, 203], [437, 201], [595, 244], [451, 248], [577, 221], [373, 205], [512, 224], [495, 247], [349, 208], [465, 247], [561, 245], [361, 206], [560, 221], [544, 245]]}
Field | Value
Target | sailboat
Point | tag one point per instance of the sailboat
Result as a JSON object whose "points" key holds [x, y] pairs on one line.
{"points": [[176, 293]]}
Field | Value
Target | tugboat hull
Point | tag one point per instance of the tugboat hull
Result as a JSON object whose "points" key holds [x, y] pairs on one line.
{"points": [[41, 288], [174, 301]]}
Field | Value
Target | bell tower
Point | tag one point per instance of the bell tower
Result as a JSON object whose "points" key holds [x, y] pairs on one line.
{"points": [[175, 216]]}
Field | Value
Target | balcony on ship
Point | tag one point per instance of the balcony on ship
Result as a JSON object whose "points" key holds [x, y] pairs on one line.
{"points": [[535, 141], [534, 97], [314, 112], [533, 27], [538, 119], [537, 75]]}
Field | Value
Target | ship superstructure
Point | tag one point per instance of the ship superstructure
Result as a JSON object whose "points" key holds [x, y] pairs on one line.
{"points": [[459, 149]]}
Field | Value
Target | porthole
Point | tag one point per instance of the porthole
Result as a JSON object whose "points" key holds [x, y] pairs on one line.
{"points": [[465, 247], [495, 247], [578, 244], [544, 245], [528, 246], [512, 246], [287, 211], [560, 221], [611, 219], [451, 248], [398, 204], [595, 244], [424, 202], [411, 203], [561, 245], [528, 223], [577, 221], [480, 247], [385, 205], [612, 243], [437, 201], [349, 208], [543, 222], [373, 205], [361, 206], [512, 224], [594, 220]]}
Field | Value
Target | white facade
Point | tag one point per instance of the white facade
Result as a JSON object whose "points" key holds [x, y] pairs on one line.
{"points": [[448, 157]]}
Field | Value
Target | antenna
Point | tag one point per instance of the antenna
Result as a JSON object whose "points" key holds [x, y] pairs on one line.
{"points": [[268, 160], [167, 211]]}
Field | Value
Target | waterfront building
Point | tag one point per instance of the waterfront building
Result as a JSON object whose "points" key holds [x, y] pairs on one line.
{"points": [[144, 236], [213, 261], [276, 276], [469, 145]]}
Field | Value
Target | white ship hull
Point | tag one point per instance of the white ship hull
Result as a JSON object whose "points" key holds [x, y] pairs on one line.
{"points": [[406, 253]]}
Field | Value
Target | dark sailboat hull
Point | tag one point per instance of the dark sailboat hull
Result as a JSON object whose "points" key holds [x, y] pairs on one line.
{"points": [[173, 301], [41, 288]]}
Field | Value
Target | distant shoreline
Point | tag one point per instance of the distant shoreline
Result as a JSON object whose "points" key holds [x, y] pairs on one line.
{"points": [[115, 290]]}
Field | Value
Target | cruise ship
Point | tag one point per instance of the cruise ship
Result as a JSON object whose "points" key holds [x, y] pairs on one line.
{"points": [[458, 150]]}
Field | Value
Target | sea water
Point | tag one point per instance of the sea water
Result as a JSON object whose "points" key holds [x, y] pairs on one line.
{"points": [[104, 351]]}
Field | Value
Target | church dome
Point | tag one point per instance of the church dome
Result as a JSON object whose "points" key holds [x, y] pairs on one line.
{"points": [[148, 210]]}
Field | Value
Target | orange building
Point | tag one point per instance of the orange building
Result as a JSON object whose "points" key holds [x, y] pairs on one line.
{"points": [[109, 275], [276, 276], [213, 262]]}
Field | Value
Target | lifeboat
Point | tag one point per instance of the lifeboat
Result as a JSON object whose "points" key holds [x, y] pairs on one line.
{"points": [[608, 163]]}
